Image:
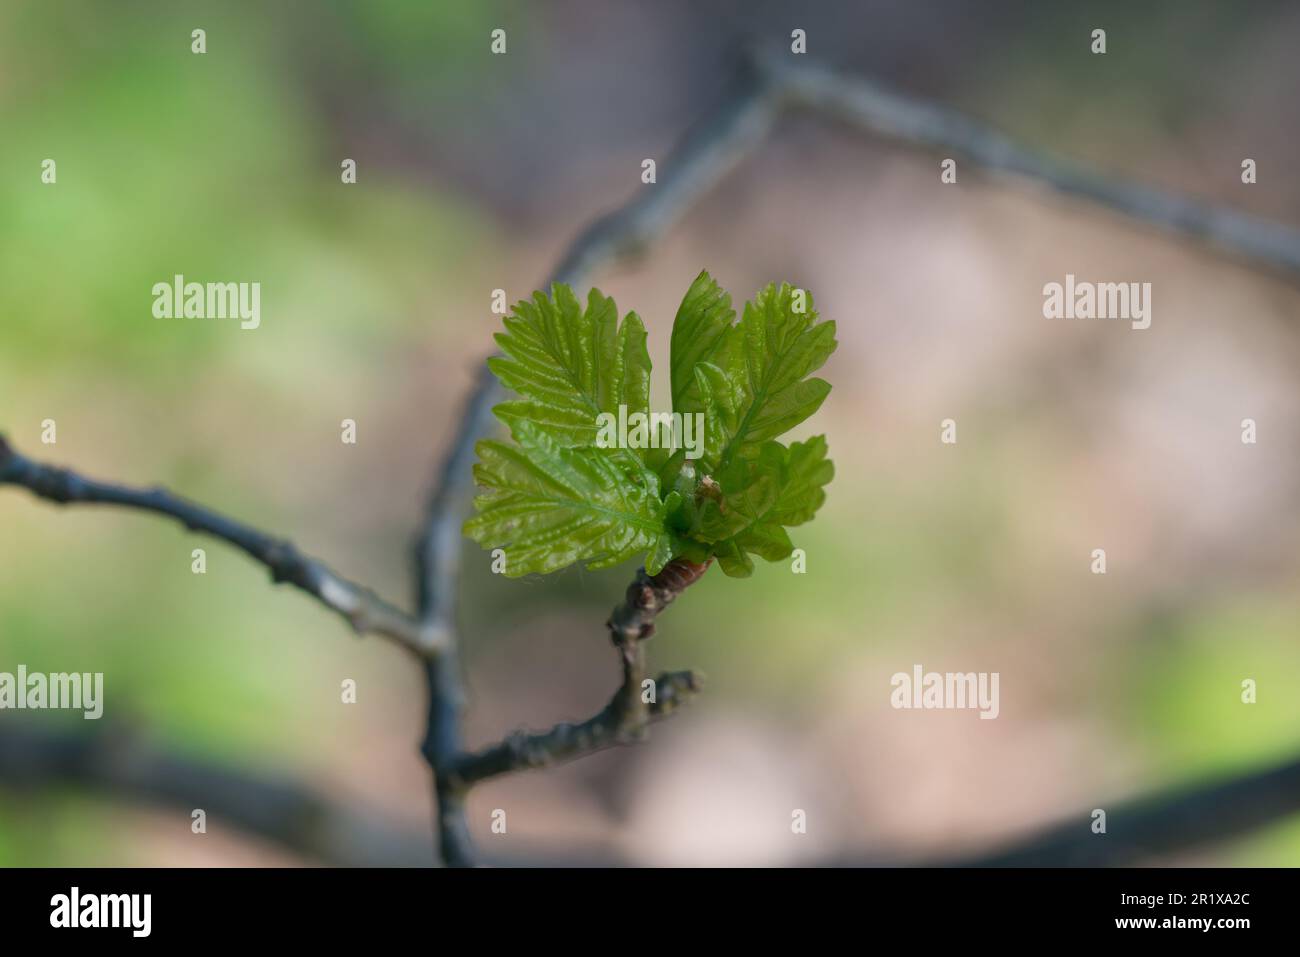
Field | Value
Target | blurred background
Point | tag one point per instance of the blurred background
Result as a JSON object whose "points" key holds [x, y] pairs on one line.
{"points": [[474, 172]]}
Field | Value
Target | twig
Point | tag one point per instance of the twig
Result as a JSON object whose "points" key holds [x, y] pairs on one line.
{"points": [[360, 607], [871, 107], [441, 749], [617, 723], [625, 718], [623, 721], [1175, 820], [707, 152], [272, 806]]}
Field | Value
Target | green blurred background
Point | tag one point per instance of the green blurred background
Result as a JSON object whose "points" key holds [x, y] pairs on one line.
{"points": [[474, 171]]}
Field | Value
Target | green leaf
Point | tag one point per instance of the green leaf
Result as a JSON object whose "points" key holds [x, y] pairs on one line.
{"points": [[571, 364], [756, 386], [776, 487], [699, 331], [553, 496], [549, 506]]}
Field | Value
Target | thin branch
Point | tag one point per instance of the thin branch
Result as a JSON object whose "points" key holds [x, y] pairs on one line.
{"points": [[707, 153], [626, 718], [869, 106], [360, 607], [441, 749], [611, 726], [623, 720], [269, 805], [1169, 822]]}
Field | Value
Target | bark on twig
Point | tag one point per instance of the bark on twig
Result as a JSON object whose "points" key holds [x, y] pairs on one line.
{"points": [[1168, 822], [273, 806], [628, 714], [907, 119], [360, 607]]}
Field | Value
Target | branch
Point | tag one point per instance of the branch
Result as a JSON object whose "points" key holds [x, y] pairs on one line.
{"points": [[273, 807], [625, 719], [441, 749], [622, 721], [1168, 822], [360, 607], [868, 105]]}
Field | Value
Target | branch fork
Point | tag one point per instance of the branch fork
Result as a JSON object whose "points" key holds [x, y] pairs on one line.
{"points": [[627, 716]]}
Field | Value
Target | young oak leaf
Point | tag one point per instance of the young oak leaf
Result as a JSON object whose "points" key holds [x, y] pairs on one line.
{"points": [[754, 385], [571, 364], [550, 506], [554, 496], [699, 331], [761, 495]]}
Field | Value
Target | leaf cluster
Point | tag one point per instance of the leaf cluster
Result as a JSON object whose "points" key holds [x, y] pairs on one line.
{"points": [[555, 494]]}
